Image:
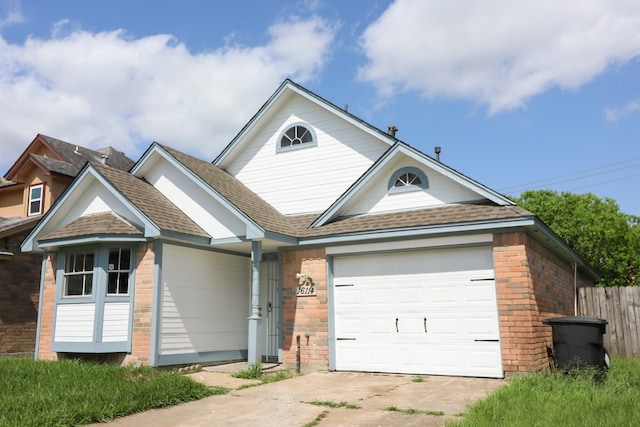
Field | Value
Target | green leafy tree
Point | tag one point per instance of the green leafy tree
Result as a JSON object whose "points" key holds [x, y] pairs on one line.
{"points": [[609, 240]]}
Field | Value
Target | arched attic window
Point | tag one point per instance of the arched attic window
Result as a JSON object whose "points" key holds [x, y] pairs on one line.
{"points": [[408, 179], [298, 135]]}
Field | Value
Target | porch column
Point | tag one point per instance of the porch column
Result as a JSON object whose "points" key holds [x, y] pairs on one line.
{"points": [[254, 356]]}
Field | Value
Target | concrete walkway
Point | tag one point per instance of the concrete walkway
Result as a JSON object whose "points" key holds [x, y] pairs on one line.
{"points": [[286, 403]]}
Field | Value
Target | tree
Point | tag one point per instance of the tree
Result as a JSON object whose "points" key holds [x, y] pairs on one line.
{"points": [[609, 240]]}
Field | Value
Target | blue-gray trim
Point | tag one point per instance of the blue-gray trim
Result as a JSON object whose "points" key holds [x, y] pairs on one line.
{"points": [[43, 270], [281, 305], [255, 319], [424, 184], [201, 357], [331, 312], [308, 127], [91, 347], [156, 304], [96, 239]]}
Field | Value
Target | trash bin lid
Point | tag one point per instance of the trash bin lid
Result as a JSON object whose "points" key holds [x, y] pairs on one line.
{"points": [[577, 320]]}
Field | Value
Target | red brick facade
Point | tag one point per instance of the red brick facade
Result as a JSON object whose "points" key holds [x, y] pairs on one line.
{"points": [[532, 284], [305, 316], [19, 289]]}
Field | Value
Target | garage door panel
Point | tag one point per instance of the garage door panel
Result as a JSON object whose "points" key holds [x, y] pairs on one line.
{"points": [[444, 302]]}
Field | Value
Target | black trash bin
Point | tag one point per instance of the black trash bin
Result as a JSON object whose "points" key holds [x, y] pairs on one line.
{"points": [[577, 342]]}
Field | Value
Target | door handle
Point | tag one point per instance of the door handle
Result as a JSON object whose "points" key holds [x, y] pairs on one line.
{"points": [[425, 325], [397, 324]]}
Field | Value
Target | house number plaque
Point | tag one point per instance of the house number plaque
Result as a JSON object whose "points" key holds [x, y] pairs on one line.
{"points": [[306, 290]]}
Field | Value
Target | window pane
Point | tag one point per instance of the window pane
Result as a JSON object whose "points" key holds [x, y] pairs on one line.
{"points": [[112, 285], [88, 262], [125, 259], [34, 207], [113, 259], [36, 192], [88, 285], [74, 285], [78, 263], [124, 283]]}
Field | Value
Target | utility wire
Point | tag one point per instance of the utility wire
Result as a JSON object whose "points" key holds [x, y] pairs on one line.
{"points": [[605, 182], [554, 180]]}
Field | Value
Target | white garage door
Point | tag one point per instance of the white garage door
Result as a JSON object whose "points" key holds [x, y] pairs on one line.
{"points": [[417, 312]]}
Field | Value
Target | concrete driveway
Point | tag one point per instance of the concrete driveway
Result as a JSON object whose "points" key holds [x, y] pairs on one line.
{"points": [[286, 403]]}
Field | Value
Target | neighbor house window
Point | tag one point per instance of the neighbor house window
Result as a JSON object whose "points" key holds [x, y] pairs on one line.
{"points": [[408, 179], [36, 195], [118, 270], [297, 136], [78, 274]]}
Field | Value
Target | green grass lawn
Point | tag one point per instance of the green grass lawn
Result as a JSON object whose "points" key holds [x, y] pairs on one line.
{"points": [[69, 392], [556, 399]]}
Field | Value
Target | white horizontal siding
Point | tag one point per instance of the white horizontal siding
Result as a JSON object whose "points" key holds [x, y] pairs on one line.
{"points": [[375, 197], [115, 326], [74, 322], [201, 207], [309, 179], [205, 301]]}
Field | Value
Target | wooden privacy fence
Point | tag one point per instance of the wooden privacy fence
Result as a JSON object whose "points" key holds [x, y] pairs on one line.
{"points": [[620, 307]]}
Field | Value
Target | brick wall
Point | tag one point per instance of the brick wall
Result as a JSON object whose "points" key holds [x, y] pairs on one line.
{"points": [[143, 307], [48, 306], [19, 289], [305, 316], [532, 284]]}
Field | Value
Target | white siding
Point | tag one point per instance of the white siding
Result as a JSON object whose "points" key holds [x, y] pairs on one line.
{"points": [[205, 301], [210, 215], [309, 179], [375, 197], [74, 322], [115, 326]]}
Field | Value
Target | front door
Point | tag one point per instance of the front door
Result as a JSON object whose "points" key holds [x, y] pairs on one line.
{"points": [[270, 308]]}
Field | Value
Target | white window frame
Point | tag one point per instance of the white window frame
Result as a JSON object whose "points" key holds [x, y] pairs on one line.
{"points": [[423, 185], [32, 199], [301, 145], [84, 273]]}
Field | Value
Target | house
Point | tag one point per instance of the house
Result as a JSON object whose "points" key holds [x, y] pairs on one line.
{"points": [[313, 238], [36, 179]]}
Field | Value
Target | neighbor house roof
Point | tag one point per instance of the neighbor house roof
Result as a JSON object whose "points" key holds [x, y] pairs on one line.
{"points": [[70, 159]]}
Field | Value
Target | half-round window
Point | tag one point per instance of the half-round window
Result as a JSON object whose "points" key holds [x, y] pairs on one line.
{"points": [[297, 136], [408, 179]]}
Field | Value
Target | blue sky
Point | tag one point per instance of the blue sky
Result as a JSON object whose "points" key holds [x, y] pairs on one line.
{"points": [[519, 95]]}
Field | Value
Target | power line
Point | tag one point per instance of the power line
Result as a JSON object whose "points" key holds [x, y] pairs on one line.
{"points": [[555, 179], [606, 182]]}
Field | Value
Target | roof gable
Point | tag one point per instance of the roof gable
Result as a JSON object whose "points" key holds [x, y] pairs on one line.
{"points": [[99, 189], [57, 156], [228, 192], [281, 96], [453, 187]]}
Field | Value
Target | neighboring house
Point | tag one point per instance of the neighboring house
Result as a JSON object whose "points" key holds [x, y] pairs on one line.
{"points": [[37, 178], [312, 235]]}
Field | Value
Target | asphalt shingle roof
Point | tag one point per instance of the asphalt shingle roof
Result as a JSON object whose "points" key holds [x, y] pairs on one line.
{"points": [[252, 205], [78, 156], [151, 202], [105, 223]]}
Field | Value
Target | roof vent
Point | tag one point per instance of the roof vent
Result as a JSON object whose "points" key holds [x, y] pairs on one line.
{"points": [[391, 130], [104, 159], [438, 150], [77, 151]]}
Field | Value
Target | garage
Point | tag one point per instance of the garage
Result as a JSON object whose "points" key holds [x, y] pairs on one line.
{"points": [[428, 311]]}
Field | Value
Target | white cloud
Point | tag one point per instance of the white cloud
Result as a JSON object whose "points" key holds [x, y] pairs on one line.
{"points": [[98, 89], [615, 114], [11, 13], [497, 52]]}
